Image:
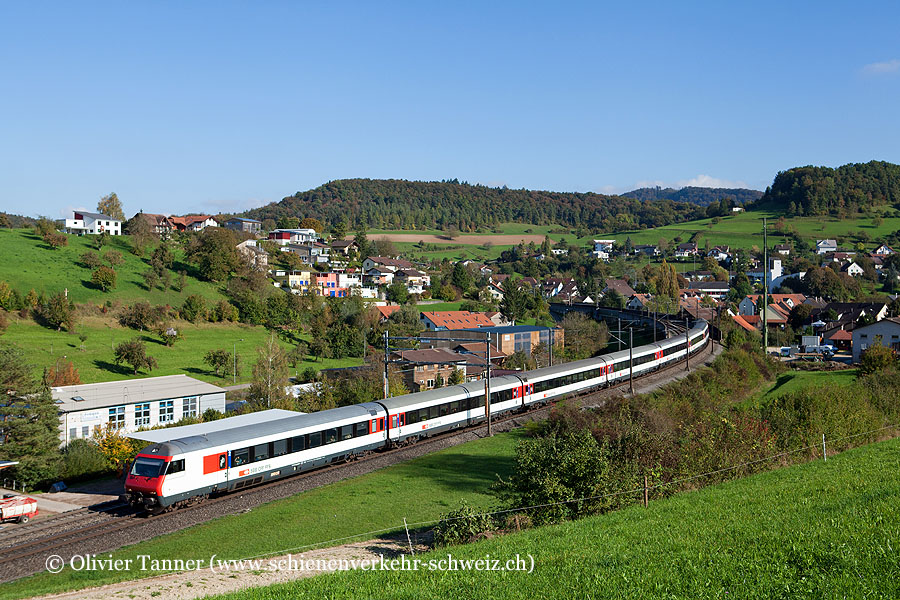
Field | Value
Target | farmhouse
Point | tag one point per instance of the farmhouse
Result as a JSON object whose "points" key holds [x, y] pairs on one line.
{"points": [[132, 404], [193, 222]]}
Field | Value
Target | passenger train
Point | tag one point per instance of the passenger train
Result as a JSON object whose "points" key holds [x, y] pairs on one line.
{"points": [[177, 472]]}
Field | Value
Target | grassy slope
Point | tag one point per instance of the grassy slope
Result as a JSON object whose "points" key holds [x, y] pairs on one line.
{"points": [[793, 381], [43, 347], [819, 530], [421, 489], [30, 264]]}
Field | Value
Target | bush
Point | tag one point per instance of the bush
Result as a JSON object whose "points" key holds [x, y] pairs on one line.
{"points": [[461, 526], [193, 309], [104, 278], [90, 259], [141, 315], [82, 459]]}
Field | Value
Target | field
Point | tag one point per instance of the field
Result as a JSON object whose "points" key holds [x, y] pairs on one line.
{"points": [[43, 347], [30, 264], [793, 381], [421, 489], [818, 530]]}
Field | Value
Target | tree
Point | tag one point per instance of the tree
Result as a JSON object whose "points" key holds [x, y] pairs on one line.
{"points": [[584, 336], [116, 447], [667, 281], [162, 258], [456, 377], [113, 258], [270, 374], [58, 312], [62, 373], [397, 292], [513, 306], [30, 432], [56, 240], [168, 334], [218, 360], [104, 278], [288, 223], [151, 278], [877, 358], [90, 259], [340, 229], [461, 277], [134, 353], [193, 309], [110, 206], [298, 354], [4, 221], [213, 252], [141, 232], [311, 223]]}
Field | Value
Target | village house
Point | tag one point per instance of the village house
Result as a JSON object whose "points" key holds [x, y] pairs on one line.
{"points": [[429, 368], [245, 225], [826, 246], [749, 304], [283, 237], [87, 223], [883, 250], [783, 249], [603, 249], [193, 222], [454, 319], [415, 281], [390, 264], [885, 333], [344, 246], [686, 250], [253, 255], [160, 224]]}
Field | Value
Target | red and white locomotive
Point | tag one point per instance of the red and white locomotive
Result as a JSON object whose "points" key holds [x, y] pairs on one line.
{"points": [[240, 452]]}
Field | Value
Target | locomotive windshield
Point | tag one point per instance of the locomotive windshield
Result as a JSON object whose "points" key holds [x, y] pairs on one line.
{"points": [[147, 467]]}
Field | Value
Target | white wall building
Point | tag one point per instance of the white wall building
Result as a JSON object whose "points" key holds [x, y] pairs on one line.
{"points": [[133, 403], [885, 333], [93, 223]]}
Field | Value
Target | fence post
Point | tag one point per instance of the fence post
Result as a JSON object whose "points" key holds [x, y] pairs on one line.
{"points": [[646, 493], [824, 452], [408, 540]]}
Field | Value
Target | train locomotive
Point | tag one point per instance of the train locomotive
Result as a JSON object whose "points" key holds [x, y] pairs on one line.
{"points": [[186, 470]]}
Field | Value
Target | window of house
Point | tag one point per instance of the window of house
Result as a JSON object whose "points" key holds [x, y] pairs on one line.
{"points": [[85, 431], [116, 417], [189, 407], [166, 411], [73, 432], [141, 414], [430, 383]]}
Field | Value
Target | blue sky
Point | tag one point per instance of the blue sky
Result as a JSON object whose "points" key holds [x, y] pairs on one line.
{"points": [[223, 106]]}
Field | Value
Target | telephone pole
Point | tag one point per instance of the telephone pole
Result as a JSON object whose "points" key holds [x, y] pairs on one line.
{"points": [[765, 297]]}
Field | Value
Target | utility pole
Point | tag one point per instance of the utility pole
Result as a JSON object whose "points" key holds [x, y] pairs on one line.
{"points": [[387, 390], [687, 340], [765, 298], [620, 333], [487, 384], [551, 347], [631, 359]]}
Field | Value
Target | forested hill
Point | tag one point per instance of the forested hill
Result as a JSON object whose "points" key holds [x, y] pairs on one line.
{"points": [[400, 204], [805, 191], [696, 195]]}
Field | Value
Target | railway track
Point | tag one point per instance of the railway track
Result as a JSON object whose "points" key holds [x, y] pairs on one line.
{"points": [[36, 548]]}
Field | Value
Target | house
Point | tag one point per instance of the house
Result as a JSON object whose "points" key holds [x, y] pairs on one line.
{"points": [[648, 249], [603, 249], [720, 253], [737, 209], [430, 367], [783, 249], [553, 286], [619, 285], [883, 250], [749, 304], [245, 225], [713, 289], [841, 339], [498, 319], [757, 274], [476, 352], [686, 250], [132, 404], [521, 338], [253, 255], [638, 301], [454, 319], [344, 246], [744, 322], [385, 312], [853, 269], [885, 332], [495, 291], [284, 237], [378, 276], [193, 222], [414, 280], [84, 223], [559, 251], [160, 224], [383, 262], [826, 246]]}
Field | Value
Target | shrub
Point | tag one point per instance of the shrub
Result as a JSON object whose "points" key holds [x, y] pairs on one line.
{"points": [[90, 259], [104, 278], [193, 309], [141, 315], [83, 459], [461, 526]]}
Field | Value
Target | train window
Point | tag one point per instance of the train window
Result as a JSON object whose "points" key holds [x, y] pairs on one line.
{"points": [[444, 409], [175, 466], [362, 428], [454, 407], [381, 424], [395, 421], [260, 452], [315, 439], [298, 443], [331, 436], [280, 447], [434, 412], [240, 457], [347, 432]]}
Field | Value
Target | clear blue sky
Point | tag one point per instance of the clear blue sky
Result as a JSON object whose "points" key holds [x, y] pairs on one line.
{"points": [[221, 106]]}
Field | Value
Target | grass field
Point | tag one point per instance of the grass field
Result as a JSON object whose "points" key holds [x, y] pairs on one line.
{"points": [[793, 381], [95, 363], [818, 530], [30, 264], [420, 489]]}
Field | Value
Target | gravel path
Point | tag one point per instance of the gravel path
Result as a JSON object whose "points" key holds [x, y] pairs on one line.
{"points": [[249, 499]]}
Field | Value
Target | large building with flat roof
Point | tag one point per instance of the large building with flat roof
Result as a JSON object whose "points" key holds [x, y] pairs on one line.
{"points": [[132, 404]]}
